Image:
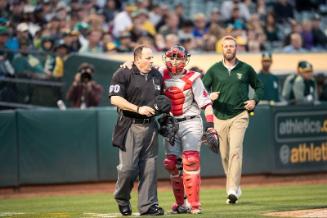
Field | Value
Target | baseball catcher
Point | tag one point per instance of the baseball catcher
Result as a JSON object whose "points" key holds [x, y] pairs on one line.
{"points": [[188, 96]]}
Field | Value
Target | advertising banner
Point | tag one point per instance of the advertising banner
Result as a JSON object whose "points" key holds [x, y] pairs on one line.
{"points": [[301, 140]]}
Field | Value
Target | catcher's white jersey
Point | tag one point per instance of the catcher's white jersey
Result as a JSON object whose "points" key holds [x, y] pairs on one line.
{"points": [[187, 93]]}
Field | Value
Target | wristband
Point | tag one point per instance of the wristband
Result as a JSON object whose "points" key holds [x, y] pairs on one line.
{"points": [[209, 118], [137, 109]]}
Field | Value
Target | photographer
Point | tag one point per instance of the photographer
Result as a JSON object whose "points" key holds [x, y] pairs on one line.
{"points": [[84, 92]]}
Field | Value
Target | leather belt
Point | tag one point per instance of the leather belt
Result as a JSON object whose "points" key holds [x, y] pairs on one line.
{"points": [[186, 118], [143, 121]]}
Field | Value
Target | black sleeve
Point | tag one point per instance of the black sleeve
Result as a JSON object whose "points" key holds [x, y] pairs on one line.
{"points": [[119, 82]]}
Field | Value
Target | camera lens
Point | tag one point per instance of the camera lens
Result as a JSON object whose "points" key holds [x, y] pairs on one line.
{"points": [[85, 77]]}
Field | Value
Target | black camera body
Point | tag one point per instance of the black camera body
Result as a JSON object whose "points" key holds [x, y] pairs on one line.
{"points": [[86, 77], [86, 72]]}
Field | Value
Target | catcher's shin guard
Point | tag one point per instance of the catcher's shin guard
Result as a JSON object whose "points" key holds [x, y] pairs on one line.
{"points": [[191, 177], [171, 165]]}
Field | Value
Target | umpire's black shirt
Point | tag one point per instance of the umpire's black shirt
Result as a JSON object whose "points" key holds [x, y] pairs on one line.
{"points": [[137, 88]]}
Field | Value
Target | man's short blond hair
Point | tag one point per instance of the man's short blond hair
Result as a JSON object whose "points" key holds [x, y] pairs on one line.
{"points": [[228, 37]]}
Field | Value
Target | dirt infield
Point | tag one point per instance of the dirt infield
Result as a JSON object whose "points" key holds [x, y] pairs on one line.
{"points": [[317, 213], [108, 187]]}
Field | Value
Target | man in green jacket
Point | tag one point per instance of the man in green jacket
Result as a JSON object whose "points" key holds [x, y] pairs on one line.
{"points": [[228, 81]]}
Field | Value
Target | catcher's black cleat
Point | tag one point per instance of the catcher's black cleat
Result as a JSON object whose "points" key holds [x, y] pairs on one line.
{"points": [[179, 209], [154, 210], [125, 210], [231, 199]]}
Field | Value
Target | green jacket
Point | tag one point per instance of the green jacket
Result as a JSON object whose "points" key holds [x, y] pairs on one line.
{"points": [[271, 87], [233, 87]]}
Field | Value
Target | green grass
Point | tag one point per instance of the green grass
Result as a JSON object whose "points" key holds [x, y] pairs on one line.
{"points": [[255, 201]]}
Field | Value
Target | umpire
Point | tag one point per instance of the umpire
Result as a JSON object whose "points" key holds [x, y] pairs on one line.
{"points": [[133, 91]]}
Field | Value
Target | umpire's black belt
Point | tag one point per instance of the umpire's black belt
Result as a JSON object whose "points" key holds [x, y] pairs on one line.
{"points": [[186, 118], [142, 121]]}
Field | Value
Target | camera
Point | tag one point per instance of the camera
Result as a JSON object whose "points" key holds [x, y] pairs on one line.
{"points": [[86, 77], [86, 71]]}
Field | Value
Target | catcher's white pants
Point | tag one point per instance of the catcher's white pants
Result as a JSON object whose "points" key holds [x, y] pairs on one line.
{"points": [[188, 137]]}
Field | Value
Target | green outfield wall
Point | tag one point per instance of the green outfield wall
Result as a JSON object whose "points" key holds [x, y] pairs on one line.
{"points": [[50, 146]]}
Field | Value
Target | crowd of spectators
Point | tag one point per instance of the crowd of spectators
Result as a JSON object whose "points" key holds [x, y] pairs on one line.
{"points": [[36, 36]]}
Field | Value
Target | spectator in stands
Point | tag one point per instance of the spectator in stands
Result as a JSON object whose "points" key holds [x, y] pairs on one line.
{"points": [[164, 13], [253, 43], [227, 8], [93, 43], [320, 38], [284, 11], [301, 87], [122, 21], [186, 30], [84, 92], [125, 43], [71, 39], [110, 10], [296, 27], [269, 81], [48, 58], [171, 25], [271, 29], [210, 39], [180, 12], [171, 40], [141, 25], [236, 21], [61, 52], [295, 45], [22, 35], [26, 64], [307, 35], [159, 42], [199, 30], [155, 15]]}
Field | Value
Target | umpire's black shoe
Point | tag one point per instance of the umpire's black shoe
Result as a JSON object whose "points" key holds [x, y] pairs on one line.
{"points": [[154, 210], [125, 210]]}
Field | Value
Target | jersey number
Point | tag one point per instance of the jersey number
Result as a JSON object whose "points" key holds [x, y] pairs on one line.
{"points": [[114, 88]]}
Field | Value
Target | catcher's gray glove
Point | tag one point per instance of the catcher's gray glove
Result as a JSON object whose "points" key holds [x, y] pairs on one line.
{"points": [[168, 127], [212, 140]]}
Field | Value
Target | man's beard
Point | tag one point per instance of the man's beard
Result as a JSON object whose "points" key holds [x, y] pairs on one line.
{"points": [[229, 56]]}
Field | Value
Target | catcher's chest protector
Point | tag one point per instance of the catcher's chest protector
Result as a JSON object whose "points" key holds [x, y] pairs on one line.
{"points": [[179, 90]]}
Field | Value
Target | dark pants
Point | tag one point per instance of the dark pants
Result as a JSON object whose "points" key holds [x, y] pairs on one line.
{"points": [[138, 161]]}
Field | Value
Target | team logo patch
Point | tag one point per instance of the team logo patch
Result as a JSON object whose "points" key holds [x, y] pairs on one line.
{"points": [[205, 93], [239, 76]]}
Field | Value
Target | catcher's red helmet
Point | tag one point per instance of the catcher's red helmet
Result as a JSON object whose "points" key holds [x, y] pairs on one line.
{"points": [[176, 53]]}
